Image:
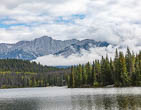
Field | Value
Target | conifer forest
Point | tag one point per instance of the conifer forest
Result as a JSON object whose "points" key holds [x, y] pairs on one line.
{"points": [[21, 73], [123, 71]]}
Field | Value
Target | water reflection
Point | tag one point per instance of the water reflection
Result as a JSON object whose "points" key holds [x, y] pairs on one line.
{"points": [[15, 104], [72, 100], [129, 102], [106, 102]]}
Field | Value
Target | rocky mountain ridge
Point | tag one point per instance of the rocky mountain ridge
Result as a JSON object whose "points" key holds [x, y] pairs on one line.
{"points": [[29, 50]]}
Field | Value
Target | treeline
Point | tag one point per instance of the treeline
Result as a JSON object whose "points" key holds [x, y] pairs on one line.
{"points": [[123, 71], [17, 65], [20, 73]]}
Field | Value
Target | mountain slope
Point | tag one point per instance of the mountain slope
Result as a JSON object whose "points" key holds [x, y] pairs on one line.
{"points": [[29, 50], [84, 44]]}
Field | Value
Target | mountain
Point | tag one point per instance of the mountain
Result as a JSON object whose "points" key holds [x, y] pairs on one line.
{"points": [[77, 47], [29, 50], [32, 49]]}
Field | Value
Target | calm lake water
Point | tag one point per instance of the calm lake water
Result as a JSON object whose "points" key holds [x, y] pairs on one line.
{"points": [[62, 98]]}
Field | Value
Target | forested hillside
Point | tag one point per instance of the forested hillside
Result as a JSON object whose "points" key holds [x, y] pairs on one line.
{"points": [[123, 71], [16, 65], [21, 73]]}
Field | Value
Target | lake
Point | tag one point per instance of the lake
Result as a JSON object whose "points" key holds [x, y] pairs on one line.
{"points": [[63, 98]]}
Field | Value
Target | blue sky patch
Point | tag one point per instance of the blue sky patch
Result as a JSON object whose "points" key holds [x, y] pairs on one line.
{"points": [[69, 19]]}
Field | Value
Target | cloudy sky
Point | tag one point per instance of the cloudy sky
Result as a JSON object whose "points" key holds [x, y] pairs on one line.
{"points": [[106, 20], [115, 21]]}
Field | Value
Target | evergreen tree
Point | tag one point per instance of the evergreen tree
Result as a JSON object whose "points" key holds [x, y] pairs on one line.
{"points": [[97, 73], [88, 72], [80, 75], [116, 69], [123, 70]]}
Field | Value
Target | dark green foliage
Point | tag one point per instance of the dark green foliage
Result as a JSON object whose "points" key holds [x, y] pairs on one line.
{"points": [[124, 78], [20, 73], [123, 71], [16, 65]]}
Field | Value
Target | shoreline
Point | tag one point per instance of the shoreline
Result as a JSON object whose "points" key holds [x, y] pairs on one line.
{"points": [[70, 88]]}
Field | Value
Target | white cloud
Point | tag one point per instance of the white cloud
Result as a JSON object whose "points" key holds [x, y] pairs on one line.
{"points": [[52, 60], [107, 20], [75, 59]]}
